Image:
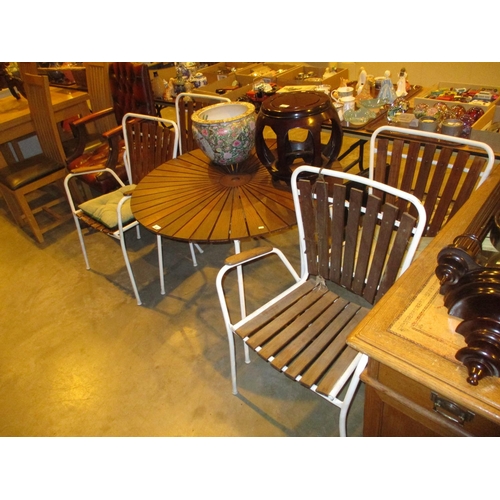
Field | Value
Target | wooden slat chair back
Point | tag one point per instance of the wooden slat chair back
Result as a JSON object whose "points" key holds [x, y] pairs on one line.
{"points": [[150, 145], [19, 182], [441, 171], [186, 103], [99, 90], [149, 141], [353, 247], [42, 114]]}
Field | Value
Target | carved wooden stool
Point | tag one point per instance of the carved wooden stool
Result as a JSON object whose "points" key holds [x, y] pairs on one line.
{"points": [[284, 112]]}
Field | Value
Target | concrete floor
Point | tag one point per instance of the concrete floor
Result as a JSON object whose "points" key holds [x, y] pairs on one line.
{"points": [[79, 357]]}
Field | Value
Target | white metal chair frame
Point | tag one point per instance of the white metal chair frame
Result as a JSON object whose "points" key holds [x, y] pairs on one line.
{"points": [[358, 364], [119, 233]]}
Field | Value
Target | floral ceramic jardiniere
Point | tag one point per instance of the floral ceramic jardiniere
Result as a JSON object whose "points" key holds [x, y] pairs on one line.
{"points": [[225, 132]]}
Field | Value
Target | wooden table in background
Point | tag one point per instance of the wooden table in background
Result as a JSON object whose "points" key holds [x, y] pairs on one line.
{"points": [[15, 118], [411, 343]]}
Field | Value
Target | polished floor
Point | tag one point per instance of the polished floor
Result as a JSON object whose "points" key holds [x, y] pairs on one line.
{"points": [[79, 357]]}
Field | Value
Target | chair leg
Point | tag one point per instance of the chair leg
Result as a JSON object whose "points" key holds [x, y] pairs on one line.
{"points": [[20, 197], [160, 264], [353, 385], [129, 269], [232, 360], [193, 255], [82, 242]]}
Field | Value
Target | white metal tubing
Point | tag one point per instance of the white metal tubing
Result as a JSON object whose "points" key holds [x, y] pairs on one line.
{"points": [[160, 263], [434, 135], [225, 311], [121, 237]]}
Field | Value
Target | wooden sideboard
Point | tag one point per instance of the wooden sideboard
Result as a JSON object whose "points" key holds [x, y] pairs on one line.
{"points": [[414, 384]]}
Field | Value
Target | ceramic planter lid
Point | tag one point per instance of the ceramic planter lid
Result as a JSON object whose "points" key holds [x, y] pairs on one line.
{"points": [[296, 104]]}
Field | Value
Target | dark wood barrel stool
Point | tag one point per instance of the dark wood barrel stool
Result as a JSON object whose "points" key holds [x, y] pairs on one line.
{"points": [[284, 112]]}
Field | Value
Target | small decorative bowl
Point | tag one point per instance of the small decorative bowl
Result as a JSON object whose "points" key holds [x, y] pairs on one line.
{"points": [[428, 123], [225, 132], [452, 126], [371, 104], [359, 117]]}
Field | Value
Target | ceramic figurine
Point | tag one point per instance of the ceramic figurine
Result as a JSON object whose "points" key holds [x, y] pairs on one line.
{"points": [[361, 80], [387, 93], [401, 87]]}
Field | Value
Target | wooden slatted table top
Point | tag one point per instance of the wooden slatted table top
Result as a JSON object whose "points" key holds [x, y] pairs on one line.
{"points": [[190, 199]]}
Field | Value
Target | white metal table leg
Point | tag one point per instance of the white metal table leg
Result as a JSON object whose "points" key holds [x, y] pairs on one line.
{"points": [[241, 287]]}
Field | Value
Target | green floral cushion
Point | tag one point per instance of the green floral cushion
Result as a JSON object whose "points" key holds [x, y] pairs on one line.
{"points": [[103, 208]]}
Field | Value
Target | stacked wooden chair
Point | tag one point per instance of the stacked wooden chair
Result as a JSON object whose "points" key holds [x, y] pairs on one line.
{"points": [[33, 187], [353, 246]]}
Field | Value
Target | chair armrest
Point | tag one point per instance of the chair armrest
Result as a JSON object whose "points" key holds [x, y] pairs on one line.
{"points": [[79, 129], [109, 134], [84, 120], [247, 256]]}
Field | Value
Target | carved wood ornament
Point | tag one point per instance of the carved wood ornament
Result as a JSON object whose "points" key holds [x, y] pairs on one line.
{"points": [[470, 283]]}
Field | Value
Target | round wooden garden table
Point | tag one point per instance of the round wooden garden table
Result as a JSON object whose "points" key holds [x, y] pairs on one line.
{"points": [[190, 199]]}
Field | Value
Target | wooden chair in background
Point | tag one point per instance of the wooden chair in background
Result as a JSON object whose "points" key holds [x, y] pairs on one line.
{"points": [[352, 249], [42, 174], [131, 92], [185, 104]]}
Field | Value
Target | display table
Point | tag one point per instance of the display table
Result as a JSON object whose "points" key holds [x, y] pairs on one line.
{"points": [[15, 118], [414, 384]]}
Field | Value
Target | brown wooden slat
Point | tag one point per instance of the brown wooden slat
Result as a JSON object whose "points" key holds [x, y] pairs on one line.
{"points": [[367, 243], [336, 371], [293, 321], [309, 225], [322, 227], [411, 166], [298, 345], [447, 194], [398, 251], [257, 323], [337, 231], [468, 184], [389, 214], [94, 224], [381, 163], [334, 320], [324, 362], [440, 170], [351, 237], [394, 170], [424, 171]]}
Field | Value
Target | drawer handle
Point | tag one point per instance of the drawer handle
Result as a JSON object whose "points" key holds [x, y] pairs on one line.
{"points": [[450, 410]]}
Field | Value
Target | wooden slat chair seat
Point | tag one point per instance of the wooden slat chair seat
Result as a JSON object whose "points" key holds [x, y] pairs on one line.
{"points": [[353, 246], [441, 171], [149, 142]]}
